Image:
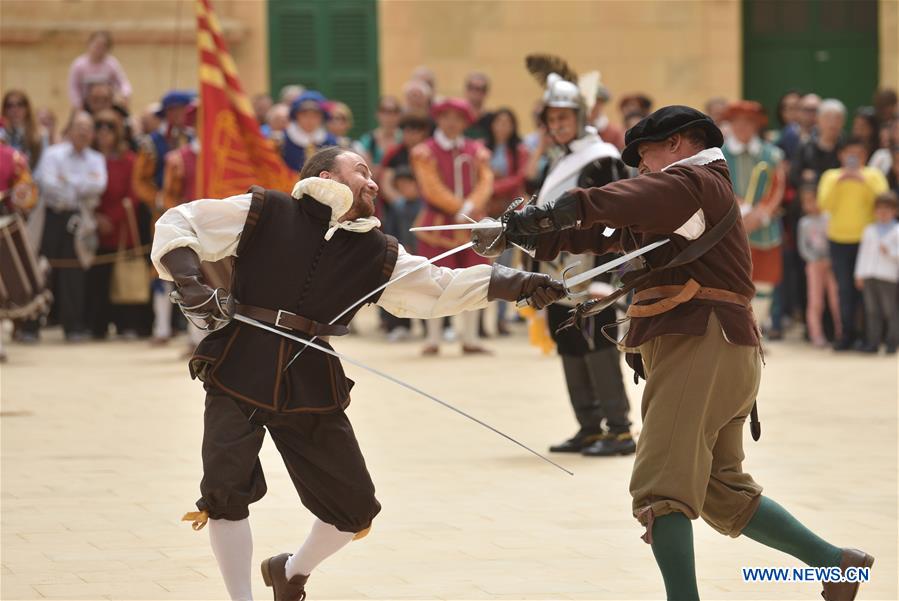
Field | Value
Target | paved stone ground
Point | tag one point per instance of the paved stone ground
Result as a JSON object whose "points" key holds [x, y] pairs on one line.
{"points": [[100, 457]]}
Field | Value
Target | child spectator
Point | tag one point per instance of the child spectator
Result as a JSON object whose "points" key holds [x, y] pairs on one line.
{"points": [[877, 275], [400, 213], [814, 250], [97, 65], [399, 216], [847, 194]]}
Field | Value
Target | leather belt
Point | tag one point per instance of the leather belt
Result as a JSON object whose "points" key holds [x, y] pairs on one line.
{"points": [[291, 321], [672, 296]]}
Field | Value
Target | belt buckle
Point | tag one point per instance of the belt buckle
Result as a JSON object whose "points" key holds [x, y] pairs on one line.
{"points": [[282, 313]]}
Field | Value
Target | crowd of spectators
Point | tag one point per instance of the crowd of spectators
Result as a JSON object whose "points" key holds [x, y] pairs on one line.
{"points": [[92, 188]]}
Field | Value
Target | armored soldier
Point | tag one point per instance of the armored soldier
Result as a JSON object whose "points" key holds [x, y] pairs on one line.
{"points": [[592, 364]]}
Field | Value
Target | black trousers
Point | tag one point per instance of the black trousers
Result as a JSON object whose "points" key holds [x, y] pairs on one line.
{"points": [[881, 312], [68, 284], [319, 450], [98, 308], [842, 259], [101, 312], [593, 375]]}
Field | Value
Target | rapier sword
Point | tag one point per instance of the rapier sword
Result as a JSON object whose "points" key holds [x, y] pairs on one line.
{"points": [[386, 376], [600, 269], [431, 261]]}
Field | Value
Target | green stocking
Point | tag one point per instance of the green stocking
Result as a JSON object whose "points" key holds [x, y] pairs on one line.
{"points": [[773, 526], [672, 545]]}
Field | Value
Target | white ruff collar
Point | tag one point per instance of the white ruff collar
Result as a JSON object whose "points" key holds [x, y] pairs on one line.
{"points": [[703, 157], [339, 198], [445, 143], [302, 138], [734, 146]]}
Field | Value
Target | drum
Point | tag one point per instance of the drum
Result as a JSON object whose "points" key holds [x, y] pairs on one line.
{"points": [[23, 282]]}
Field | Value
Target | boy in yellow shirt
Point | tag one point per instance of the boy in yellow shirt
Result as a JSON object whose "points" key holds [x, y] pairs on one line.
{"points": [[848, 194]]}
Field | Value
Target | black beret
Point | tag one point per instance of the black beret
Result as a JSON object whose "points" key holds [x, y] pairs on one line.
{"points": [[663, 124]]}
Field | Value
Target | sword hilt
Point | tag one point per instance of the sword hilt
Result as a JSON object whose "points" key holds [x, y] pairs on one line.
{"points": [[526, 302]]}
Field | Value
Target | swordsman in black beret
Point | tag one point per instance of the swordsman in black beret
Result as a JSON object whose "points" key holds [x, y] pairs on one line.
{"points": [[692, 336]]}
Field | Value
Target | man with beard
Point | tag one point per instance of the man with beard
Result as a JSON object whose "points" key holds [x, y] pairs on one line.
{"points": [[591, 363], [301, 259]]}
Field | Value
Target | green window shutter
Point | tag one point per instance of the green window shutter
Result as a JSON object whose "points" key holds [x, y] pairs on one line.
{"points": [[294, 57], [824, 46], [349, 33], [327, 46]]}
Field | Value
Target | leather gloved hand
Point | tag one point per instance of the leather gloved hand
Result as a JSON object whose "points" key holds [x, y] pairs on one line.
{"points": [[492, 242], [558, 215], [513, 285], [192, 293]]}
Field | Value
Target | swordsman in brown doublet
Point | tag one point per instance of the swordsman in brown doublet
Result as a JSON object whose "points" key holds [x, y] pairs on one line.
{"points": [[692, 326], [299, 260]]}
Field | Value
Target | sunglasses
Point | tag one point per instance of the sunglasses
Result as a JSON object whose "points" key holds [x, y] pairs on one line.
{"points": [[15, 104], [477, 88]]}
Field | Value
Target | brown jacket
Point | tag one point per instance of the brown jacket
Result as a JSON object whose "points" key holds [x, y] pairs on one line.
{"points": [[654, 206]]}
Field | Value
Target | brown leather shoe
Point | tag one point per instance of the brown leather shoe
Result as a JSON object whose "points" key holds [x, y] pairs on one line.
{"points": [[274, 576], [846, 591]]}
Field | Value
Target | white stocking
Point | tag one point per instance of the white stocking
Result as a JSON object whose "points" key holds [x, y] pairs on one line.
{"points": [[435, 331], [324, 540], [232, 545], [469, 322]]}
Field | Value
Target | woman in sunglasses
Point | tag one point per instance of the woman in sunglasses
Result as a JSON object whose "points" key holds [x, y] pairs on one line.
{"points": [[20, 129]]}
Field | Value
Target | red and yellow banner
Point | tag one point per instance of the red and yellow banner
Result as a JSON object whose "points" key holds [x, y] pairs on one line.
{"points": [[233, 152]]}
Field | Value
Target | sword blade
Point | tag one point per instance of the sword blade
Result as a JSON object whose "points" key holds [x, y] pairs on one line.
{"points": [[443, 255], [386, 376], [600, 269], [431, 261], [457, 226]]}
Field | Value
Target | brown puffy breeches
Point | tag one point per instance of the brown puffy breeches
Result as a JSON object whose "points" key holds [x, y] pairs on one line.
{"points": [[319, 450], [699, 390]]}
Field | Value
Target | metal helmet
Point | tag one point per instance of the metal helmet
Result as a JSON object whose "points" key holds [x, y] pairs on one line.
{"points": [[561, 93]]}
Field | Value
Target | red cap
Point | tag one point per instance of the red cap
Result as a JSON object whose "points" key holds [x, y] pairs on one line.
{"points": [[457, 104]]}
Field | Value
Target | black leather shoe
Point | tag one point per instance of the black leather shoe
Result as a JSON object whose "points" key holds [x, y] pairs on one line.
{"points": [[612, 444], [842, 345], [274, 576], [577, 443]]}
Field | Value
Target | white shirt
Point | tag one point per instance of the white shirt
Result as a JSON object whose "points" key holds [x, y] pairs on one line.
{"points": [[212, 228], [68, 179], [874, 263], [882, 159]]}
